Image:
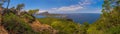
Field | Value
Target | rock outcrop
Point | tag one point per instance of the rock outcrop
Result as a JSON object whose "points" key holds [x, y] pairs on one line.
{"points": [[38, 27]]}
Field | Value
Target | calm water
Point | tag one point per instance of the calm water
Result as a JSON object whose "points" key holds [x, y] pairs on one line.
{"points": [[80, 17], [84, 17]]}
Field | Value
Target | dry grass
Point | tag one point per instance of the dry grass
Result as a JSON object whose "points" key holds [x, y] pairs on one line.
{"points": [[2, 30]]}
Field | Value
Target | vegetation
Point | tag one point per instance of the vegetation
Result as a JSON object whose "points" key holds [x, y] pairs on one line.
{"points": [[16, 21], [109, 22], [62, 25], [15, 25]]}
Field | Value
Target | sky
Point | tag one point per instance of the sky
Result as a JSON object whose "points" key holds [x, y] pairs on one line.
{"points": [[61, 6]]}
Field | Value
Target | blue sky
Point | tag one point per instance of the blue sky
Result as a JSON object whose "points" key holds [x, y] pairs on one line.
{"points": [[61, 6]]}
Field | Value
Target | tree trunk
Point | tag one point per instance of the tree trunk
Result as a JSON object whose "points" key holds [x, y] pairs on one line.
{"points": [[8, 4]]}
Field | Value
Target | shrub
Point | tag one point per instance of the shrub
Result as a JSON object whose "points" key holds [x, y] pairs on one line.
{"points": [[62, 25], [16, 25]]}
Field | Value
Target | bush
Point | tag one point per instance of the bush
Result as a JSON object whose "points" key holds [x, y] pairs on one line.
{"points": [[114, 30], [62, 25], [16, 25]]}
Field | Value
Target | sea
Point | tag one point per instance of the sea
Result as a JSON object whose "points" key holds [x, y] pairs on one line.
{"points": [[80, 17]]}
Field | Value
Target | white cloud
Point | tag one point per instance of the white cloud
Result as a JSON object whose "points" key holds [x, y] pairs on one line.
{"points": [[85, 2], [82, 6], [68, 8], [79, 6], [41, 11]]}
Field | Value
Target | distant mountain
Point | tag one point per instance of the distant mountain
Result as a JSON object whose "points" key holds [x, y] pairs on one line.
{"points": [[52, 15], [44, 13]]}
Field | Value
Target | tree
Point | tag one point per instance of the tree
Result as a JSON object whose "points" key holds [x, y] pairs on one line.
{"points": [[2, 2], [19, 8], [0, 5], [111, 11], [109, 20], [8, 3]]}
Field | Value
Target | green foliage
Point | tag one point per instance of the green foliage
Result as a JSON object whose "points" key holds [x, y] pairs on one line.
{"points": [[109, 21], [84, 27], [20, 6], [16, 25], [95, 29], [62, 25], [114, 30], [27, 16], [48, 20]]}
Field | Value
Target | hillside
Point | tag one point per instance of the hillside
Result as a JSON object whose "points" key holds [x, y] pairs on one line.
{"points": [[14, 20], [26, 23]]}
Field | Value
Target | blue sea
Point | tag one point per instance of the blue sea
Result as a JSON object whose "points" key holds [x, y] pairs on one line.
{"points": [[84, 17], [81, 17]]}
